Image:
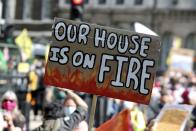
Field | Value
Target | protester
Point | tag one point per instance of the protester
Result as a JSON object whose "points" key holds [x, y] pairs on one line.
{"points": [[12, 117], [36, 86], [156, 105], [64, 116], [70, 105]]}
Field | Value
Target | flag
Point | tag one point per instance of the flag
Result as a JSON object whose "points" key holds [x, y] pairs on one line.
{"points": [[120, 122], [25, 44]]}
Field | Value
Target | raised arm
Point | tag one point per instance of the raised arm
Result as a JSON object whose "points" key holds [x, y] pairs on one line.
{"points": [[79, 101]]}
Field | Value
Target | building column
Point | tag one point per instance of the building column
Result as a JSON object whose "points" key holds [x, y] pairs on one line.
{"points": [[10, 9], [27, 8], [1, 9]]}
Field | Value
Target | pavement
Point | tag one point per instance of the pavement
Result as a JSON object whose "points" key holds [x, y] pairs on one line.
{"points": [[35, 121]]}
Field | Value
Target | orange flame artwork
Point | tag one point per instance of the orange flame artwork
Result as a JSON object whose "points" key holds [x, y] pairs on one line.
{"points": [[75, 80]]}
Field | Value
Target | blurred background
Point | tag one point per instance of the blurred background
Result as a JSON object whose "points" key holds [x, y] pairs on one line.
{"points": [[25, 31]]}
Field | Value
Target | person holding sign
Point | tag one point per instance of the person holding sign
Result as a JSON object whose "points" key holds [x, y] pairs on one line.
{"points": [[102, 61], [72, 103], [64, 116]]}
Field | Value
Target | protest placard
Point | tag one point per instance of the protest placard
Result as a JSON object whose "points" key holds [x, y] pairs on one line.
{"points": [[173, 117], [101, 60], [182, 59]]}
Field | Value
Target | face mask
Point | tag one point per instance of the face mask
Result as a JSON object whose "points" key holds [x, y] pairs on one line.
{"points": [[69, 110], [9, 105]]}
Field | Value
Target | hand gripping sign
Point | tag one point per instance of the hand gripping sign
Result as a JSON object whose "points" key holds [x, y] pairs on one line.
{"points": [[101, 60]]}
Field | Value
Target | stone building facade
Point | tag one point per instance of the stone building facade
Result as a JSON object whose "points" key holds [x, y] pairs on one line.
{"points": [[169, 18]]}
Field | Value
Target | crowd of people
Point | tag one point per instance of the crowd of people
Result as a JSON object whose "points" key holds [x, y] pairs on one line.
{"points": [[68, 110], [67, 115]]}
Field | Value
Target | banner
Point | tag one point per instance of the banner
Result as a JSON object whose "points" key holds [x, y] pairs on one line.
{"points": [[182, 59], [101, 60]]}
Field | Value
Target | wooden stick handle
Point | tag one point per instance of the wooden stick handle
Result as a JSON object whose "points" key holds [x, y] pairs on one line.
{"points": [[92, 114]]}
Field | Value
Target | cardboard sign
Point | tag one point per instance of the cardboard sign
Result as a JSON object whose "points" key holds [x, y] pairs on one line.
{"points": [[101, 60], [173, 118], [182, 59]]}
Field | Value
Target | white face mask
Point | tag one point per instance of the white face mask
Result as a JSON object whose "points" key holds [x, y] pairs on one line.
{"points": [[69, 110]]}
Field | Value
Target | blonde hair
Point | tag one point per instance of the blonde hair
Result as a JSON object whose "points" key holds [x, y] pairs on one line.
{"points": [[10, 95]]}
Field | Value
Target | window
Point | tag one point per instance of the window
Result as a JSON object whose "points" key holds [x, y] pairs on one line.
{"points": [[190, 42], [138, 2], [119, 2], [19, 9], [46, 9], [37, 9], [165, 49], [102, 1], [28, 9], [3, 7]]}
